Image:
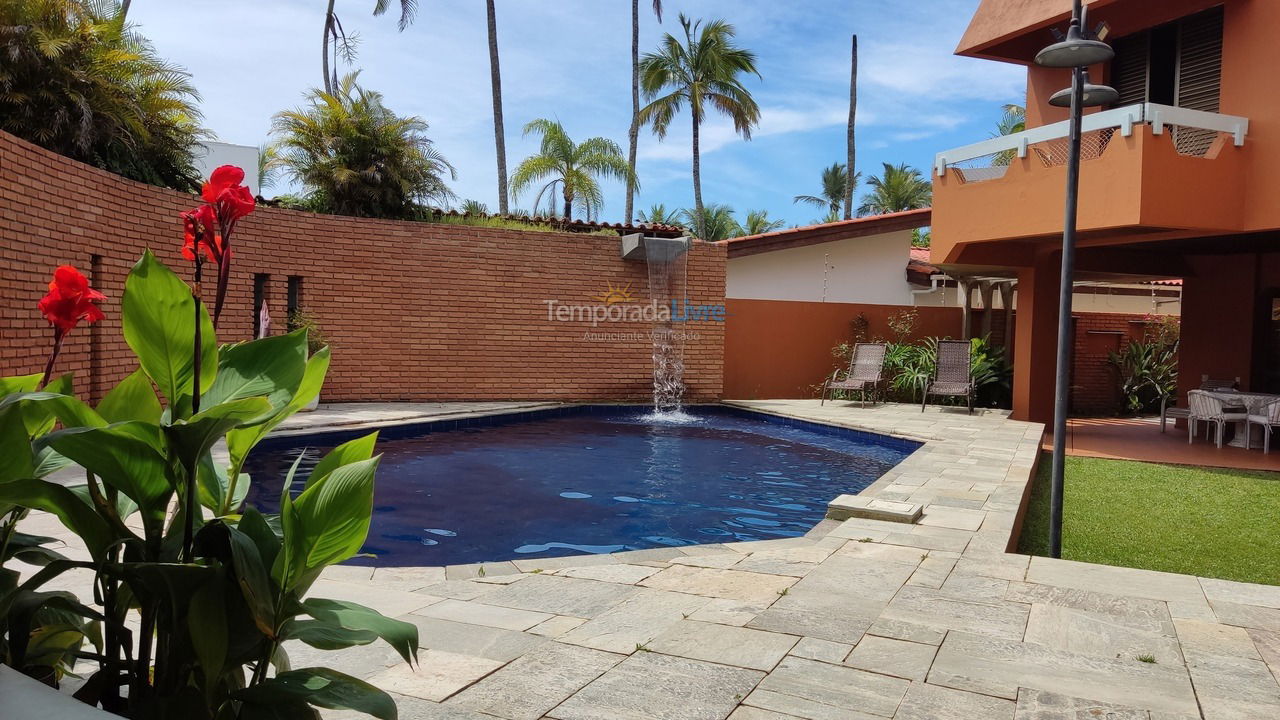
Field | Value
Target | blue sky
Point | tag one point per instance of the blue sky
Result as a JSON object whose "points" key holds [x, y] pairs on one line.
{"points": [[570, 59]]}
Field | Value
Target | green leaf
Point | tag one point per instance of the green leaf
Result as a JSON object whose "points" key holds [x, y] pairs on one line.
{"points": [[271, 367], [333, 514], [237, 549], [132, 399], [326, 636], [16, 460], [159, 318], [324, 688], [400, 635], [52, 405], [349, 452], [207, 624], [77, 515], [191, 439], [125, 457], [19, 384], [242, 440], [253, 525], [31, 549]]}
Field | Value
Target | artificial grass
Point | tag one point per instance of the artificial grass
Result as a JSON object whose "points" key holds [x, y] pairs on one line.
{"points": [[1202, 521]]}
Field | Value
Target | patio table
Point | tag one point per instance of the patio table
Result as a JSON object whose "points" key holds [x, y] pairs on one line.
{"points": [[1255, 403]]}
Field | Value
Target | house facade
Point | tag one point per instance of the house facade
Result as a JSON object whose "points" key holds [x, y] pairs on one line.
{"points": [[1177, 182]]}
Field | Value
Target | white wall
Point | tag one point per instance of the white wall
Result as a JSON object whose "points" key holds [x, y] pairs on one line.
{"points": [[870, 270], [1100, 299], [217, 154]]}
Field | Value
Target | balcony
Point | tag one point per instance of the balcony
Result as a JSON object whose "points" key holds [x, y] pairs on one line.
{"points": [[1146, 169]]}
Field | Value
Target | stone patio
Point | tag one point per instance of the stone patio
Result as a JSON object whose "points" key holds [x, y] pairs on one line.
{"points": [[860, 619]]}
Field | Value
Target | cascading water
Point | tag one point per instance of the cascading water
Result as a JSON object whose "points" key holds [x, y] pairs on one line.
{"points": [[668, 263]]}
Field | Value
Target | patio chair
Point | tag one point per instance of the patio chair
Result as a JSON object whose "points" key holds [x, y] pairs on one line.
{"points": [[1269, 418], [952, 374], [864, 373], [1209, 410], [1168, 411]]}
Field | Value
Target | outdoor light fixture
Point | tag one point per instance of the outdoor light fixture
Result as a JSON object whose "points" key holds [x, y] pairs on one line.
{"points": [[1093, 96], [1077, 52]]}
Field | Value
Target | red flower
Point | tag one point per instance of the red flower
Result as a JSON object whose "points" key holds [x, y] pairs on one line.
{"points": [[224, 190], [70, 300], [227, 176], [201, 222]]}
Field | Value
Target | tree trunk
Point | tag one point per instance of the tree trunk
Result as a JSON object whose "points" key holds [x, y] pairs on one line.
{"points": [[853, 111], [698, 219], [633, 135], [124, 9], [568, 203], [495, 76], [324, 55]]}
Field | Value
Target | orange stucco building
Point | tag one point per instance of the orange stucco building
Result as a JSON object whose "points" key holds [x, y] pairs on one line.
{"points": [[1178, 180]]}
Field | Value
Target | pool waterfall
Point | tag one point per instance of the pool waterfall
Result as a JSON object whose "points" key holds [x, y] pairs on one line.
{"points": [[668, 261]]}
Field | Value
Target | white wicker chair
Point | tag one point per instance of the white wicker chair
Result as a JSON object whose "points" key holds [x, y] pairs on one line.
{"points": [[1208, 409], [1269, 418], [1168, 411]]}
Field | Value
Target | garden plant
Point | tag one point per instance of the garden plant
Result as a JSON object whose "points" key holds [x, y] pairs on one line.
{"points": [[194, 595]]}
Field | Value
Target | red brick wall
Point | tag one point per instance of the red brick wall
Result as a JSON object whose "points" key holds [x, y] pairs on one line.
{"points": [[1095, 382], [414, 311]]}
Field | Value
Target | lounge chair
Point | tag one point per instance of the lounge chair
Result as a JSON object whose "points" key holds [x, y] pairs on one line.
{"points": [[863, 375], [952, 374], [1206, 408]]}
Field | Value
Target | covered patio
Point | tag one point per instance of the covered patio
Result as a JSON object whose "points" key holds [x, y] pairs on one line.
{"points": [[1140, 439]]}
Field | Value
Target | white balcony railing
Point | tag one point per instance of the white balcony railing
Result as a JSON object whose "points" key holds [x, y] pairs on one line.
{"points": [[1193, 131]]}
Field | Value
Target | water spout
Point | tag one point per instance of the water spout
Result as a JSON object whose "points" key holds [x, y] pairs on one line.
{"points": [[667, 259]]}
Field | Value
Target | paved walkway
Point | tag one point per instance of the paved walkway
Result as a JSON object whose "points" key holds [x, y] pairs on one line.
{"points": [[1141, 439], [859, 620]]}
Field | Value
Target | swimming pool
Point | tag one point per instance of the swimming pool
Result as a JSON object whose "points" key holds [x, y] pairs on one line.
{"points": [[593, 479]]}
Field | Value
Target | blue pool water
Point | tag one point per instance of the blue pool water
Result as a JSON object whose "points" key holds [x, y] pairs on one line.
{"points": [[591, 480]]}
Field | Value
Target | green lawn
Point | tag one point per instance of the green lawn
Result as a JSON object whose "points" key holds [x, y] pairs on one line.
{"points": [[1195, 520]]}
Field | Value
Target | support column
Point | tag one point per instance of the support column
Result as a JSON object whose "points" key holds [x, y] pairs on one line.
{"points": [[966, 321], [987, 291], [1006, 299], [1036, 340]]}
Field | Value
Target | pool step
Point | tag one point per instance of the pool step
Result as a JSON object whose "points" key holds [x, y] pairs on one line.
{"points": [[857, 506]]}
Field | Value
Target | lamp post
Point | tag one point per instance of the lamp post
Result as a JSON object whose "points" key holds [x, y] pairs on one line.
{"points": [[1076, 51]]}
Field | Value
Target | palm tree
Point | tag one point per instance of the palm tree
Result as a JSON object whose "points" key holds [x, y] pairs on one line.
{"points": [[633, 135], [701, 70], [835, 186], [1013, 121], [849, 139], [344, 44], [357, 157], [758, 222], [716, 222], [79, 81], [473, 207], [897, 189], [575, 166], [495, 81], [659, 215]]}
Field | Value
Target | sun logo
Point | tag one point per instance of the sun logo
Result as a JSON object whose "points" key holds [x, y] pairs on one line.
{"points": [[615, 295]]}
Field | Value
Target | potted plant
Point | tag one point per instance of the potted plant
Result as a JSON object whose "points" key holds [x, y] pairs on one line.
{"points": [[304, 319]]}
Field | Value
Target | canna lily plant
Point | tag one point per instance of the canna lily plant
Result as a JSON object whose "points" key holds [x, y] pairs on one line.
{"points": [[194, 595]]}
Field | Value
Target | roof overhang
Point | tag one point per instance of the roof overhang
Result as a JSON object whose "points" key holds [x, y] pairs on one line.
{"points": [[828, 232]]}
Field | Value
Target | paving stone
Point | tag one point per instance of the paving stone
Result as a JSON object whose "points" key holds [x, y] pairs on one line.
{"points": [[744, 712], [535, 683], [1107, 636], [723, 644], [556, 626], [722, 561], [438, 675], [728, 612], [477, 613], [411, 708], [796, 562], [872, 507], [480, 570], [1242, 593], [1115, 580], [933, 570], [361, 661], [1249, 616], [887, 553], [407, 578], [838, 601], [389, 602], [824, 650], [902, 630], [558, 563], [1268, 645], [634, 622], [1201, 638], [457, 589], [622, 573], [955, 518], [931, 538], [1041, 705], [1138, 613], [821, 691], [930, 702], [892, 657], [733, 584], [942, 610], [1005, 566], [561, 595], [999, 667], [1234, 688], [478, 640], [650, 686], [348, 573]]}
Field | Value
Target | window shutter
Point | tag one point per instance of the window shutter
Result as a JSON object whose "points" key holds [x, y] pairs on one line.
{"points": [[1200, 61], [1129, 69]]}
